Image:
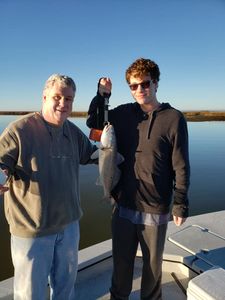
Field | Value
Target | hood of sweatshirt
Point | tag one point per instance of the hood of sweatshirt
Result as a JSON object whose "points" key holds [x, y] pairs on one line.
{"points": [[152, 115]]}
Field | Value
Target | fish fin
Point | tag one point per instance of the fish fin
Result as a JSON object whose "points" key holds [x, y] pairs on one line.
{"points": [[109, 200], [119, 158], [116, 177], [95, 154], [98, 181]]}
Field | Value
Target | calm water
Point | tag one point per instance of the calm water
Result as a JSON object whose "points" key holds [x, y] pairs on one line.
{"points": [[207, 191]]}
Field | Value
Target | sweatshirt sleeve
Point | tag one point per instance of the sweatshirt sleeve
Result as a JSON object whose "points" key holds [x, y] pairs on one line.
{"points": [[96, 113], [9, 150], [181, 167], [86, 148]]}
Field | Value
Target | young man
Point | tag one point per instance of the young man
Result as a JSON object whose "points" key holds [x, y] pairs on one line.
{"points": [[153, 139], [41, 153]]}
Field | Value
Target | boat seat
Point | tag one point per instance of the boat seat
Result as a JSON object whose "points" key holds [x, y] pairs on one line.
{"points": [[207, 286], [207, 246]]}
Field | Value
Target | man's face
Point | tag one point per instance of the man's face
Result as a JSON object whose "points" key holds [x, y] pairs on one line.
{"points": [[143, 89], [57, 103]]}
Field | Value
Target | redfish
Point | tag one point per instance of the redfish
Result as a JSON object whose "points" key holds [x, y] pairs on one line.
{"points": [[109, 158]]}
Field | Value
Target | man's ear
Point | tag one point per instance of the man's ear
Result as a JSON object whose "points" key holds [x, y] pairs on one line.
{"points": [[156, 85]]}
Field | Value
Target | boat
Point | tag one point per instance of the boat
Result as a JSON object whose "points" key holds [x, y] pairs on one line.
{"points": [[193, 264]]}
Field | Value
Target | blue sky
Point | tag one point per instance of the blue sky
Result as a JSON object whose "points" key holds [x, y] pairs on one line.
{"points": [[88, 39]]}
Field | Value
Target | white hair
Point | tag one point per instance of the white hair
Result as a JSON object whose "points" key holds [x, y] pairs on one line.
{"points": [[62, 79]]}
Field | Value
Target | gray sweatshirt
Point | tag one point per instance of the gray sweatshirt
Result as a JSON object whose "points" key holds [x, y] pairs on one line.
{"points": [[43, 163]]}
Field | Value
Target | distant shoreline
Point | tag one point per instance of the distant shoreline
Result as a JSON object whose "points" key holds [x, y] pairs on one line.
{"points": [[80, 114], [191, 116]]}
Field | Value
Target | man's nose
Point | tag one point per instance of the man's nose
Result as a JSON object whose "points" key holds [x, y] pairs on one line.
{"points": [[62, 101], [140, 87]]}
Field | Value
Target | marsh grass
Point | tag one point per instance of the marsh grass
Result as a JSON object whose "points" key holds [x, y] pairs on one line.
{"points": [[191, 116], [204, 115], [79, 114]]}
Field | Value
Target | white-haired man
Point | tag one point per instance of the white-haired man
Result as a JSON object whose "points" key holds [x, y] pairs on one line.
{"points": [[40, 153]]}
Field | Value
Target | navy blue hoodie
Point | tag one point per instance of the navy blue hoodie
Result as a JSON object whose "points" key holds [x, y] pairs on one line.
{"points": [[156, 170]]}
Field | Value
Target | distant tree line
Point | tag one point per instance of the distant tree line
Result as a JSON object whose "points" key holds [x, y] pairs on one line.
{"points": [[192, 116]]}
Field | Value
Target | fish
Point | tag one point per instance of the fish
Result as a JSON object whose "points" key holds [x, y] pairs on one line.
{"points": [[108, 161]]}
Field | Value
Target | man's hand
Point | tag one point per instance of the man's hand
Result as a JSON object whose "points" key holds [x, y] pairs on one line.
{"points": [[3, 189], [105, 86], [179, 220]]}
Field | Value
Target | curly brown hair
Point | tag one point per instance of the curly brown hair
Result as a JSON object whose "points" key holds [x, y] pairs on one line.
{"points": [[143, 67]]}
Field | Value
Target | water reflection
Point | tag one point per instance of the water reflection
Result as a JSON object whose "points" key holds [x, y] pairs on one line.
{"points": [[207, 150]]}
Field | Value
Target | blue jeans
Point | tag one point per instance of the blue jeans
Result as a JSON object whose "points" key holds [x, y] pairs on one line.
{"points": [[53, 258]]}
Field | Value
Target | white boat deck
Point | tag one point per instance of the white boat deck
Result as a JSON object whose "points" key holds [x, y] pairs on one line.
{"points": [[179, 265], [94, 282]]}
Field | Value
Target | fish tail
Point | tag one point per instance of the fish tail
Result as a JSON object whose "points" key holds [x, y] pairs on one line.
{"points": [[108, 199]]}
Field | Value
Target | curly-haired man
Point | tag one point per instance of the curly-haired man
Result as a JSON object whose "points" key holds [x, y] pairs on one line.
{"points": [[153, 138]]}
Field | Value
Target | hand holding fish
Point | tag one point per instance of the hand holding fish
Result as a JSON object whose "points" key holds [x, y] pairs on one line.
{"points": [[105, 86]]}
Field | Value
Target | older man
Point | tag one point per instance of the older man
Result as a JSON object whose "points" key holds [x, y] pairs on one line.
{"points": [[40, 153]]}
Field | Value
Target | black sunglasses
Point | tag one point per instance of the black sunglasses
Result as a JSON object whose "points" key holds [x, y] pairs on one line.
{"points": [[143, 84]]}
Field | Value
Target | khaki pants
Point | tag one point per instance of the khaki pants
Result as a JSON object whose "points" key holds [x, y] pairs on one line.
{"points": [[126, 236]]}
